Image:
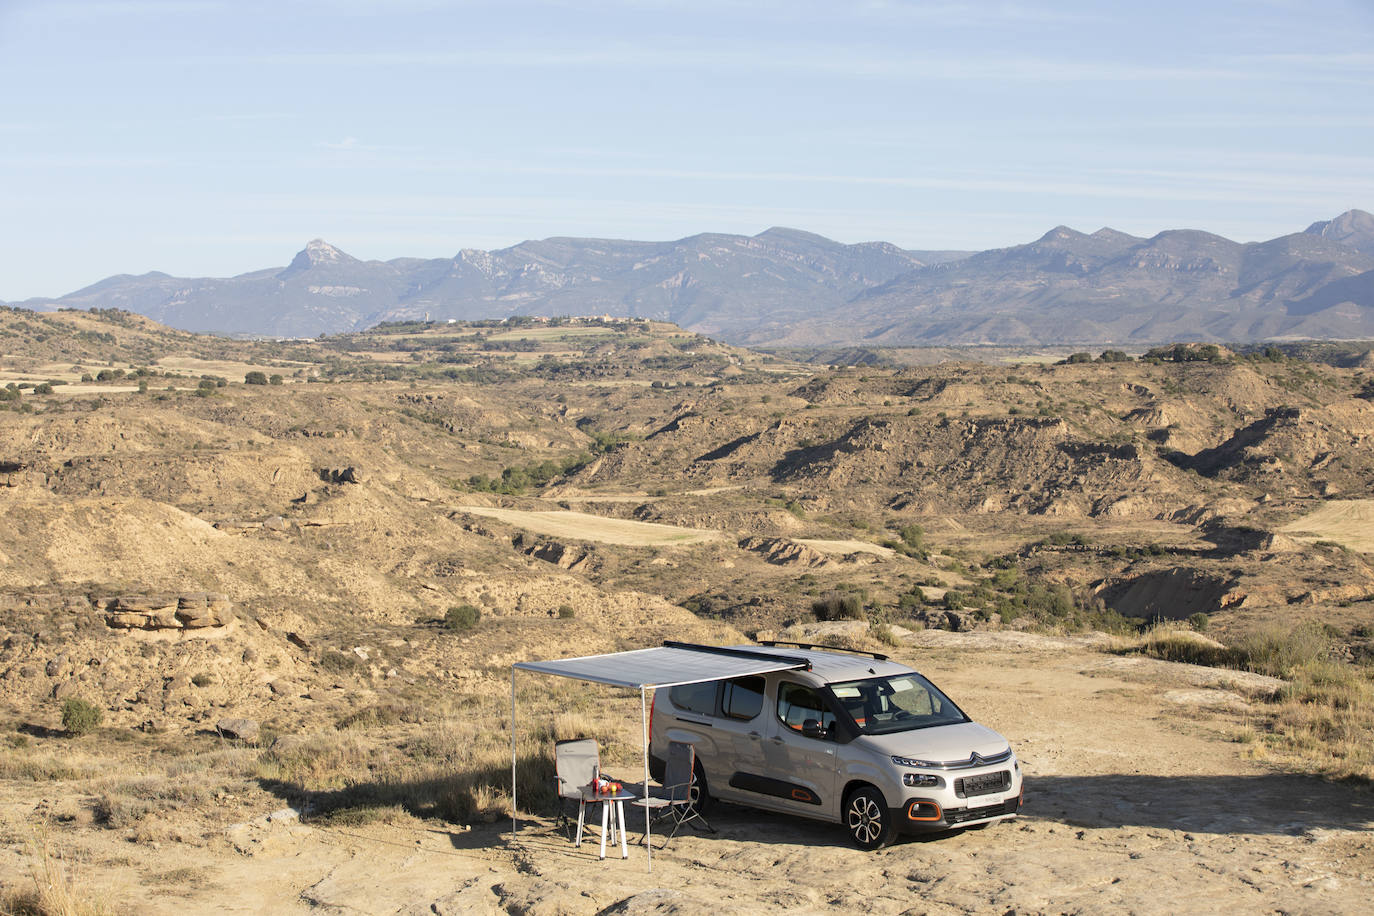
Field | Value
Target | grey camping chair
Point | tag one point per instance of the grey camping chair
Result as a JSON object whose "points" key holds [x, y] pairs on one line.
{"points": [[677, 798], [576, 763]]}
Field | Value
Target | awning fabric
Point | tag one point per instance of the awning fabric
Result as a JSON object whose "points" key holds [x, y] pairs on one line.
{"points": [[666, 666]]}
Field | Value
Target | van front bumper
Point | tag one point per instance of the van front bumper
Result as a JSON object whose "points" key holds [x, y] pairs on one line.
{"points": [[921, 815]]}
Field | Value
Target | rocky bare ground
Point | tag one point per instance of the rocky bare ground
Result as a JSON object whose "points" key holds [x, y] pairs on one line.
{"points": [[1138, 801]]}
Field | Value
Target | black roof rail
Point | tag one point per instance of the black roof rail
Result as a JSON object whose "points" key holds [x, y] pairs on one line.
{"points": [[800, 662], [808, 645]]}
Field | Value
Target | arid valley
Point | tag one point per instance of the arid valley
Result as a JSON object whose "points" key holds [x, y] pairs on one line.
{"points": [[285, 582]]}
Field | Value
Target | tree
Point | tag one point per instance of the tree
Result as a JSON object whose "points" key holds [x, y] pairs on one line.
{"points": [[255, 378]]}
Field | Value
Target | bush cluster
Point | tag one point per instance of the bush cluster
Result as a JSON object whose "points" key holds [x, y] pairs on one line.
{"points": [[80, 717], [838, 606], [462, 617]]}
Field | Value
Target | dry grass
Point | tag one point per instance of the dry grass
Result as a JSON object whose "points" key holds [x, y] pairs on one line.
{"points": [[19, 764], [455, 767], [1177, 642], [1322, 721], [54, 891]]}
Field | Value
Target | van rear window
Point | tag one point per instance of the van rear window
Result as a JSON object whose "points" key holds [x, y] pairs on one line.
{"points": [[743, 697], [698, 698]]}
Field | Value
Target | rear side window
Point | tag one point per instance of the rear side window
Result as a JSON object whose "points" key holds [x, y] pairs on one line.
{"points": [[698, 698], [743, 697]]}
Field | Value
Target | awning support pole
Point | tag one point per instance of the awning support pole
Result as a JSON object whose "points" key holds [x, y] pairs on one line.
{"points": [[512, 756], [644, 725]]}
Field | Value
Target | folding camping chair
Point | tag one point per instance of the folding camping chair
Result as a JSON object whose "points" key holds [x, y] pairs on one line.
{"points": [[576, 763], [675, 798]]}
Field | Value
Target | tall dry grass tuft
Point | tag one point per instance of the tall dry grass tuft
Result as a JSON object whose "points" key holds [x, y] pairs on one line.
{"points": [[54, 892]]}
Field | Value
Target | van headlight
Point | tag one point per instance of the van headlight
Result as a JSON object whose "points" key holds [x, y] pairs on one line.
{"points": [[922, 780], [913, 762]]}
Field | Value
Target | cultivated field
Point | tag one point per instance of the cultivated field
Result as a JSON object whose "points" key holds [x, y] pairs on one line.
{"points": [[1349, 522], [583, 527]]}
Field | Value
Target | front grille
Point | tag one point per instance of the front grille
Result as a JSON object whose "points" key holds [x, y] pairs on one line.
{"points": [[974, 814], [983, 784], [973, 760]]}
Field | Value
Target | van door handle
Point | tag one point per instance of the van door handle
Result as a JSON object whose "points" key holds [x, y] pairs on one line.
{"points": [[777, 740], [755, 735]]}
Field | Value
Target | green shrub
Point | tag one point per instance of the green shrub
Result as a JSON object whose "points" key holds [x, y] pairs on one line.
{"points": [[255, 378], [80, 717], [835, 606], [462, 617], [883, 634], [336, 662], [274, 380], [1199, 622], [566, 612]]}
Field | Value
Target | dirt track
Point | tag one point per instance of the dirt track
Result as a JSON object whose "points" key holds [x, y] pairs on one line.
{"points": [[1137, 801]]}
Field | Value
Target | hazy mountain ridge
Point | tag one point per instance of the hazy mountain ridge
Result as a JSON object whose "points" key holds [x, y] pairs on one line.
{"points": [[1068, 287], [786, 286]]}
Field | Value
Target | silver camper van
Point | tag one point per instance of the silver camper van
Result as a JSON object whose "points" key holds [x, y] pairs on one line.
{"points": [[853, 738]]}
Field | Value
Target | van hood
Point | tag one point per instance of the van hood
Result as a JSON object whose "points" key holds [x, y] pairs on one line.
{"points": [[949, 744]]}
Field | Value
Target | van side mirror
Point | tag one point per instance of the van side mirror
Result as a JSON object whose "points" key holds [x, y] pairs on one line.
{"points": [[811, 728]]}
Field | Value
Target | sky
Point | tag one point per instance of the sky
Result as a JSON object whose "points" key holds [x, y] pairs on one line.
{"points": [[213, 137]]}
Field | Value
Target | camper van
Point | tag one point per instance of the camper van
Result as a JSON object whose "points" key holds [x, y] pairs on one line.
{"points": [[851, 738]]}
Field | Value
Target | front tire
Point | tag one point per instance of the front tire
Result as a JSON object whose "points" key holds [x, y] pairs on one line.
{"points": [[868, 819]]}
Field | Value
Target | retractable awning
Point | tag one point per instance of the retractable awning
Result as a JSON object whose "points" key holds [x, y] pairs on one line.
{"points": [[669, 665]]}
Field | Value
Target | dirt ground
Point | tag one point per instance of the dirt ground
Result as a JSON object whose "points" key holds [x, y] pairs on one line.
{"points": [[1139, 800]]}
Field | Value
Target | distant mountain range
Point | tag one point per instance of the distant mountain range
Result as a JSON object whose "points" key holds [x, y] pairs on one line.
{"points": [[787, 287]]}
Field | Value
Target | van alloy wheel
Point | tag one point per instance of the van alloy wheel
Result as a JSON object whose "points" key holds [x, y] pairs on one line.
{"points": [[868, 819]]}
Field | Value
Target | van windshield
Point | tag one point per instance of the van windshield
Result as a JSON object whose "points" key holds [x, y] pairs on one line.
{"points": [[898, 703]]}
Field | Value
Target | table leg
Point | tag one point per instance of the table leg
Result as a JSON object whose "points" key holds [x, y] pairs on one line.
{"points": [[620, 814], [604, 814], [581, 815]]}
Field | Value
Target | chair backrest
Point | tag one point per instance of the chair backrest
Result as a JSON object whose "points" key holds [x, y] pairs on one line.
{"points": [[677, 772], [576, 763]]}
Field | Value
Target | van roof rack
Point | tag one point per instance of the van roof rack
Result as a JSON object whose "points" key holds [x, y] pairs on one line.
{"points": [[738, 653], [809, 645]]}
